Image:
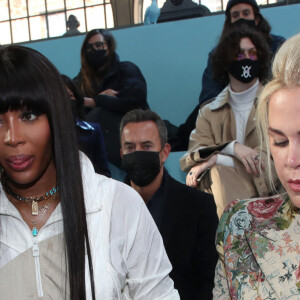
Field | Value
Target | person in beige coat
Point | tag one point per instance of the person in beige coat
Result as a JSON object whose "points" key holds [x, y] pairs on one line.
{"points": [[223, 155]]}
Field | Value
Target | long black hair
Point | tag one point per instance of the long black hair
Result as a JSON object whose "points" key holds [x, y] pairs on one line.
{"points": [[77, 103], [30, 80]]}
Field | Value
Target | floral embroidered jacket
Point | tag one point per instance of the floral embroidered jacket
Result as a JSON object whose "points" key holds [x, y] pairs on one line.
{"points": [[258, 244]]}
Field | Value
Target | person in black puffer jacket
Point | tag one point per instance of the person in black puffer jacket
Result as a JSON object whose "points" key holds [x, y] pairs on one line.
{"points": [[110, 87]]}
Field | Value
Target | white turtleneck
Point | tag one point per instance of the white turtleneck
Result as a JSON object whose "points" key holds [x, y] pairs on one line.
{"points": [[241, 104]]}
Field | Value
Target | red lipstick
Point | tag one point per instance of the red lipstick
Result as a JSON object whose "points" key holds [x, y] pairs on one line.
{"points": [[20, 162], [294, 184]]}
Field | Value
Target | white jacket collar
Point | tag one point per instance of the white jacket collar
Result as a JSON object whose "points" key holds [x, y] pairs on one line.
{"points": [[92, 185]]}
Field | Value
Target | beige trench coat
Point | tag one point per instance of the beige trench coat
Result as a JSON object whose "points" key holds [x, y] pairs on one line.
{"points": [[215, 128]]}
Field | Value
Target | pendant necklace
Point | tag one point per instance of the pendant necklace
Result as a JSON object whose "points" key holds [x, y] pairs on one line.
{"points": [[43, 211], [33, 200]]}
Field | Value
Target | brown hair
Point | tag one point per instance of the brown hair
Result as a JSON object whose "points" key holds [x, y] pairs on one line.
{"points": [[90, 74]]}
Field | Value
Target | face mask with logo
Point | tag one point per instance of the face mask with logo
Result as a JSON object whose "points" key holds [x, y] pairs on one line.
{"points": [[244, 70], [141, 166], [239, 22], [96, 58]]}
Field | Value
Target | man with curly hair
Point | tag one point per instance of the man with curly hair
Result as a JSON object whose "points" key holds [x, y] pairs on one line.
{"points": [[237, 12], [223, 155]]}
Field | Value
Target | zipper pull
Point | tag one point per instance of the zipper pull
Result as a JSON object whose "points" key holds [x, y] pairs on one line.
{"points": [[35, 248]]}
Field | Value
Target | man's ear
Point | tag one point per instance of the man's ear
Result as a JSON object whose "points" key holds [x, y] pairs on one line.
{"points": [[165, 152]]}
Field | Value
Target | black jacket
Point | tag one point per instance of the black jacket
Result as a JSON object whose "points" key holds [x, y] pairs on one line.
{"points": [[90, 141], [187, 221], [128, 80]]}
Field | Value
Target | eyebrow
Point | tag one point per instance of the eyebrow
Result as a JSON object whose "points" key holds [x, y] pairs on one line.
{"points": [[147, 142], [240, 11], [142, 143], [277, 131]]}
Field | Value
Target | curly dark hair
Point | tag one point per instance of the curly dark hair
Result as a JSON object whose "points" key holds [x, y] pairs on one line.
{"points": [[229, 47]]}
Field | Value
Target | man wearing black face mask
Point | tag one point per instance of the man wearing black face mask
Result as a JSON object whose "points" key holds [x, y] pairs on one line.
{"points": [[237, 12], [224, 143], [185, 217]]}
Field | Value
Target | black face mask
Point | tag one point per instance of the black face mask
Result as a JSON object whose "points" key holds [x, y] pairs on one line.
{"points": [[239, 22], [141, 166], [244, 70], [96, 58]]}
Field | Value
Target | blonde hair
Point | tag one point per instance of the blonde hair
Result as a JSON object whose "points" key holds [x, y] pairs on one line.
{"points": [[286, 74]]}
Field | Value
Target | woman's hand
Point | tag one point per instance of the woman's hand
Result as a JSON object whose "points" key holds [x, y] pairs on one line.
{"points": [[249, 158], [110, 92], [89, 102], [191, 177]]}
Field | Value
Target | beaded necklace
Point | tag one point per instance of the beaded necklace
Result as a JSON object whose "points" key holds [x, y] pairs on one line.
{"points": [[33, 200]]}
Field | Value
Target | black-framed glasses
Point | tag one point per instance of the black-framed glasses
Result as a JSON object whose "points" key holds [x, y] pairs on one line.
{"points": [[97, 46]]}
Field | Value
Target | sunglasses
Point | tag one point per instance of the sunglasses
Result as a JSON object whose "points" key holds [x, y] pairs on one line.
{"points": [[250, 54]]}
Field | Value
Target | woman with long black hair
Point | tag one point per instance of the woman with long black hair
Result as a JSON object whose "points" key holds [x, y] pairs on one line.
{"points": [[65, 231]]}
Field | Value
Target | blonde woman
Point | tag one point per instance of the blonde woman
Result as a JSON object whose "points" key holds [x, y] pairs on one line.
{"points": [[257, 239]]}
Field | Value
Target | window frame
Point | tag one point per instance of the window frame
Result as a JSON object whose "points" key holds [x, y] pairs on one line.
{"points": [[48, 14]]}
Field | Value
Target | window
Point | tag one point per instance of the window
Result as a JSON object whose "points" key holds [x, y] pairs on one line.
{"points": [[29, 20], [212, 5]]}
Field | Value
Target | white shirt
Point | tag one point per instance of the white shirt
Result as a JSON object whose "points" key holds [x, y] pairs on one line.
{"points": [[241, 104], [129, 259]]}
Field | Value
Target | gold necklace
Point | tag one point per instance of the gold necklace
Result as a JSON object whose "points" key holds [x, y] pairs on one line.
{"points": [[43, 211], [34, 200]]}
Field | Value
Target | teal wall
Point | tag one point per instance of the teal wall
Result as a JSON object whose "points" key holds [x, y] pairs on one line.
{"points": [[172, 56]]}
